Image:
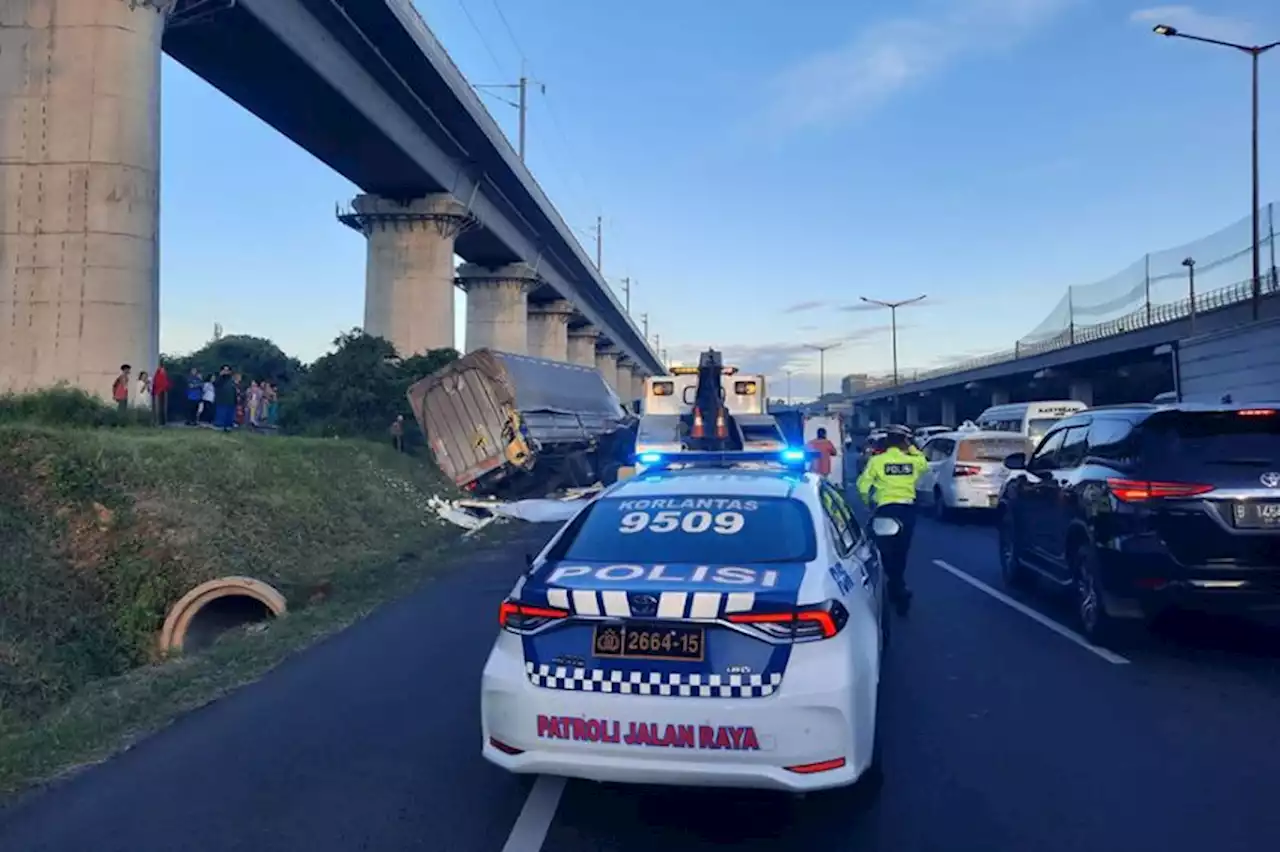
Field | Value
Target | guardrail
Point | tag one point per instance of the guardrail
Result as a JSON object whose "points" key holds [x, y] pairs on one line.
{"points": [[1144, 317]]}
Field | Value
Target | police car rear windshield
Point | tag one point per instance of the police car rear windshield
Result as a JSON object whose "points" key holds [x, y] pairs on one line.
{"points": [[704, 530]]}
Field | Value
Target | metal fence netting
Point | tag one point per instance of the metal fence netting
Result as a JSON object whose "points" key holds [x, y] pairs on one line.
{"points": [[1153, 290]]}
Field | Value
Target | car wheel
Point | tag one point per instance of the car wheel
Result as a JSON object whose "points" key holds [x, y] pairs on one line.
{"points": [[1097, 625], [1012, 571], [940, 510]]}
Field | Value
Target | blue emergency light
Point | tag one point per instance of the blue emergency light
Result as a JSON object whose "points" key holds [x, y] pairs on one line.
{"points": [[791, 458]]}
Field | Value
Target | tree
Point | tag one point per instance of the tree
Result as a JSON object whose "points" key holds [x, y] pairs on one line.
{"points": [[358, 389], [256, 357]]}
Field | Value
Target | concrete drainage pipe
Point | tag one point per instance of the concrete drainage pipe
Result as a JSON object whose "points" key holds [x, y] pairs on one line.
{"points": [[215, 607]]}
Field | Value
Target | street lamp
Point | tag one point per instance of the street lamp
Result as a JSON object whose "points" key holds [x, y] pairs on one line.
{"points": [[822, 368], [1190, 264], [1254, 51], [893, 313]]}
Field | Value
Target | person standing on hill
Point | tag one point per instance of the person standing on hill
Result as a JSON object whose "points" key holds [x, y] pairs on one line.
{"points": [[160, 387], [224, 399], [120, 389], [195, 392], [397, 433]]}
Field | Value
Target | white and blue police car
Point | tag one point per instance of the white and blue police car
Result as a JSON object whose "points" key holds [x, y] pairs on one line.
{"points": [[715, 622]]}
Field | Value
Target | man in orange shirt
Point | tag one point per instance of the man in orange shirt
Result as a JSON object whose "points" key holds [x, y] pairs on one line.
{"points": [[826, 452]]}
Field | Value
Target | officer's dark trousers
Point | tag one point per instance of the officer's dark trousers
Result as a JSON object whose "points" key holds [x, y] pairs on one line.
{"points": [[894, 549]]}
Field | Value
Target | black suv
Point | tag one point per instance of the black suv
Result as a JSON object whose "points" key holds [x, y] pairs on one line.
{"points": [[1139, 508]]}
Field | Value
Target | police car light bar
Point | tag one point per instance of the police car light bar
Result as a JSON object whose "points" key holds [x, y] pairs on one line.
{"points": [[725, 458]]}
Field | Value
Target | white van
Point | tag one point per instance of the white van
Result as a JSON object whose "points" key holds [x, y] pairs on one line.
{"points": [[1031, 419]]}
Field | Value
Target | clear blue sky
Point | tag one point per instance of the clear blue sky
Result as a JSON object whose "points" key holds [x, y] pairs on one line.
{"points": [[749, 158]]}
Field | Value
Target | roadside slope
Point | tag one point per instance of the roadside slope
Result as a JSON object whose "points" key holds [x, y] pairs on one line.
{"points": [[102, 530]]}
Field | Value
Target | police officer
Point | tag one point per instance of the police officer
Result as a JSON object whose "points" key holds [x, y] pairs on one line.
{"points": [[892, 475]]}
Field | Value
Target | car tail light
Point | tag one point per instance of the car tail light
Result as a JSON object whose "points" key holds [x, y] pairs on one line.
{"points": [[1138, 491], [523, 618], [967, 470], [804, 624], [820, 766], [1256, 412]]}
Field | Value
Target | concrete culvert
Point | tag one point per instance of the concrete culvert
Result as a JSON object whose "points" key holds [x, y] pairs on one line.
{"points": [[213, 608]]}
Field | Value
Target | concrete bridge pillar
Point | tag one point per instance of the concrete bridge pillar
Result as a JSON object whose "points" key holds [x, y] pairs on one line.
{"points": [[582, 346], [497, 306], [607, 363], [913, 414], [948, 412], [408, 285], [999, 397], [637, 382], [628, 372], [1081, 391], [79, 192], [549, 330]]}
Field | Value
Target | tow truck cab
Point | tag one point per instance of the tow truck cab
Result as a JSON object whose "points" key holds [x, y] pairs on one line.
{"points": [[707, 407]]}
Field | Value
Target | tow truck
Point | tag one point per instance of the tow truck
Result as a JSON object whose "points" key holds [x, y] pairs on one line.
{"points": [[710, 407]]}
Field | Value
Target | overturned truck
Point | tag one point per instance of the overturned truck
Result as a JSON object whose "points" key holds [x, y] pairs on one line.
{"points": [[513, 426]]}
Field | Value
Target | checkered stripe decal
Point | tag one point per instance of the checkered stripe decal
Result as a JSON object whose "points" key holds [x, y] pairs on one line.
{"points": [[653, 683], [615, 604]]}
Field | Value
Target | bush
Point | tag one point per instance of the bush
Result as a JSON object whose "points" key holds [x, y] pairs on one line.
{"points": [[67, 406]]}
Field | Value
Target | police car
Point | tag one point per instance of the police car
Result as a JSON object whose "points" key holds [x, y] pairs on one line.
{"points": [[719, 621]]}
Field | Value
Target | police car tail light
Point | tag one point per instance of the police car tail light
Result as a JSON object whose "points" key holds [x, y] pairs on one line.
{"points": [[523, 618], [805, 624], [1140, 491]]}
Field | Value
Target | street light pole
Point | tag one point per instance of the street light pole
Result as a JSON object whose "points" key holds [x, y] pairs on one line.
{"points": [[1254, 51], [1190, 264], [893, 324], [822, 365]]}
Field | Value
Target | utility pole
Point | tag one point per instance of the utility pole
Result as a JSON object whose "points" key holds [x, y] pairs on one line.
{"points": [[522, 106], [600, 245], [788, 374], [644, 321], [626, 293], [524, 110]]}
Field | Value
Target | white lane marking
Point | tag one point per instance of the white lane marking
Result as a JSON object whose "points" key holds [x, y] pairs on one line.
{"points": [[1070, 635], [531, 827]]}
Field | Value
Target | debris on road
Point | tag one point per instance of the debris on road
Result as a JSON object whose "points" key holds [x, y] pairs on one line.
{"points": [[475, 515]]}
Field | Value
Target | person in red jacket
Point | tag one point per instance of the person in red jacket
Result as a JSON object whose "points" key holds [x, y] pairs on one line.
{"points": [[160, 387]]}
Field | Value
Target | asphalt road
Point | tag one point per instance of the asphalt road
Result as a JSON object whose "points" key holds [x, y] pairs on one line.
{"points": [[1000, 734]]}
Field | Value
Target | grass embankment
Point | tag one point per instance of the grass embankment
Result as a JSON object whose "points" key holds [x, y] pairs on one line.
{"points": [[102, 530]]}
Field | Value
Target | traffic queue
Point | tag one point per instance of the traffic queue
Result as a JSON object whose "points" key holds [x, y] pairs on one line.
{"points": [[719, 616]]}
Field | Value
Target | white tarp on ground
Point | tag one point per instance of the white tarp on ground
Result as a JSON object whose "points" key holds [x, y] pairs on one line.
{"points": [[473, 515]]}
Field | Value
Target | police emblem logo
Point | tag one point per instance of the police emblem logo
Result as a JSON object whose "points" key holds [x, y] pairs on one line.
{"points": [[644, 605], [1270, 480], [897, 469], [608, 640]]}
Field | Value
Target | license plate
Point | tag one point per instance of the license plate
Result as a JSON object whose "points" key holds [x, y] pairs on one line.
{"points": [[650, 642], [1256, 516]]}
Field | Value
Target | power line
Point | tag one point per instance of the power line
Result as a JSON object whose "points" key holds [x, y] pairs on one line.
{"points": [[483, 41]]}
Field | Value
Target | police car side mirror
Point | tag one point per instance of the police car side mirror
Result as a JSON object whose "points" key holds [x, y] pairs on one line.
{"points": [[1017, 461], [885, 527]]}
